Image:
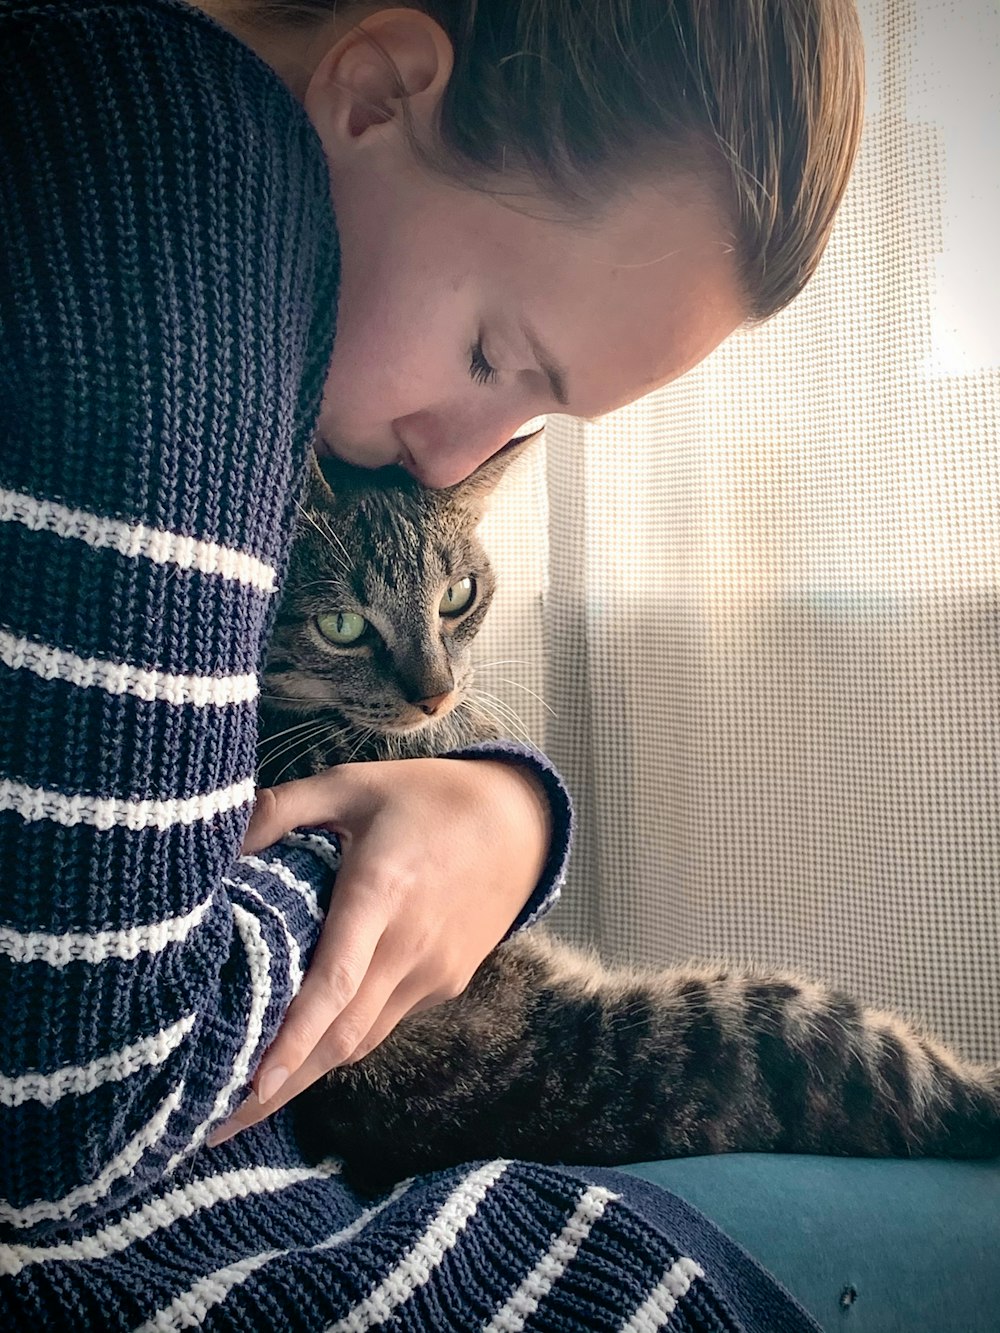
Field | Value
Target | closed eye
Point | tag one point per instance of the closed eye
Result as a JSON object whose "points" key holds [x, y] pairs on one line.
{"points": [[479, 368]]}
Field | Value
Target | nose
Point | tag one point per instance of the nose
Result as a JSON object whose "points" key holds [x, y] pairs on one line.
{"points": [[432, 704], [440, 456]]}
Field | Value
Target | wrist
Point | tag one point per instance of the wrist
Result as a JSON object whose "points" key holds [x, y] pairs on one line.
{"points": [[527, 813], [545, 780]]}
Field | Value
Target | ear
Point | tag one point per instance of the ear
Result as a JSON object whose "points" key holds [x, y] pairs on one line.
{"points": [[318, 491], [356, 92], [474, 491]]}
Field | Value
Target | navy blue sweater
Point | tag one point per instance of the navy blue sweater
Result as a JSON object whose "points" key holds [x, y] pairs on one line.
{"points": [[168, 271]]}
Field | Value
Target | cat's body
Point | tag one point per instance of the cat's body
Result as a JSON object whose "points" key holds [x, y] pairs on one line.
{"points": [[549, 1055]]}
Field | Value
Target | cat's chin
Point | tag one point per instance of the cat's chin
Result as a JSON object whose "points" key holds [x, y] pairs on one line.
{"points": [[408, 727], [414, 721]]}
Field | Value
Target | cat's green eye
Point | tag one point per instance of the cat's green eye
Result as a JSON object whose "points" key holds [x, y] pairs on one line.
{"points": [[341, 627], [458, 597]]}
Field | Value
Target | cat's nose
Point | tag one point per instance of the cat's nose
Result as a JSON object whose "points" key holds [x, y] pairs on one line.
{"points": [[433, 703]]}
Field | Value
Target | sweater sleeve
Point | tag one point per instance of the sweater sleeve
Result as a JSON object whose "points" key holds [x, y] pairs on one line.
{"points": [[167, 298]]}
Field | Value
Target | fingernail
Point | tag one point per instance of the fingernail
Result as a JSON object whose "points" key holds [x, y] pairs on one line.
{"points": [[221, 1134], [270, 1082]]}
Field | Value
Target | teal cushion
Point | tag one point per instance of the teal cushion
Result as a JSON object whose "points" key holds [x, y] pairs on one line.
{"points": [[866, 1246]]}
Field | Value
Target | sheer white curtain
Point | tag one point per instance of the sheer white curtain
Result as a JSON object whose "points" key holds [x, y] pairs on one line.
{"points": [[755, 618]]}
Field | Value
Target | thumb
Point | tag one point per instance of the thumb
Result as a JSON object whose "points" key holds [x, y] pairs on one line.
{"points": [[305, 803]]}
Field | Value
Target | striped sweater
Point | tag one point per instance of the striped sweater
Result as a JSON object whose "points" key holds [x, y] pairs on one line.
{"points": [[168, 270]]}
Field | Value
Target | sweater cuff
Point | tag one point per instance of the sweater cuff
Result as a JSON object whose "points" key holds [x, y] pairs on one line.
{"points": [[547, 890]]}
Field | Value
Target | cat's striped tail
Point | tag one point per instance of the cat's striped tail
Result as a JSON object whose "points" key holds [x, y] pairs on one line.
{"points": [[550, 1056]]}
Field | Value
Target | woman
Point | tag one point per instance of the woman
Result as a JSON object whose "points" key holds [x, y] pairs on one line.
{"points": [[503, 210]]}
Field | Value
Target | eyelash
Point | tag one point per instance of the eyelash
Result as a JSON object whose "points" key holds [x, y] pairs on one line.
{"points": [[479, 368]]}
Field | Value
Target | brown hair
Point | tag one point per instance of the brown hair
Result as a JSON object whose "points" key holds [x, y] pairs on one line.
{"points": [[762, 98]]}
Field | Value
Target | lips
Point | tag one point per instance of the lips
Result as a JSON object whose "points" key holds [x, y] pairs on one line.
{"points": [[407, 462], [404, 458]]}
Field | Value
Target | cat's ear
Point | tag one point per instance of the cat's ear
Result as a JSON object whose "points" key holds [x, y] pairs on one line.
{"points": [[317, 490], [474, 491]]}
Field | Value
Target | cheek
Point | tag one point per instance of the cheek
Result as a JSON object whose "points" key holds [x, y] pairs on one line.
{"points": [[400, 348], [381, 370]]}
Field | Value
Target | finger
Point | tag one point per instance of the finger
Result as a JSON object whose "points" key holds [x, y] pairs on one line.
{"points": [[388, 1006], [346, 947], [357, 1019], [304, 803], [401, 1005]]}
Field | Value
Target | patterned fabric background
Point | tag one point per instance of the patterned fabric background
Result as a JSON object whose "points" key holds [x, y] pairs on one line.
{"points": [[755, 618]]}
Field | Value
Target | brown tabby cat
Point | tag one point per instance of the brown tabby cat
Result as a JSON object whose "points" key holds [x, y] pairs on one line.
{"points": [[549, 1055]]}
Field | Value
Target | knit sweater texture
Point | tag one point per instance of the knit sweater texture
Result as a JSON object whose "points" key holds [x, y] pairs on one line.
{"points": [[168, 274]]}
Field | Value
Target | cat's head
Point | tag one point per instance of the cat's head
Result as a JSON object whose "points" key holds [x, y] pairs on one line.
{"points": [[387, 587]]}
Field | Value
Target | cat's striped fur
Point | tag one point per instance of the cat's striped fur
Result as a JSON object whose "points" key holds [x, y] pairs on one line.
{"points": [[549, 1055]]}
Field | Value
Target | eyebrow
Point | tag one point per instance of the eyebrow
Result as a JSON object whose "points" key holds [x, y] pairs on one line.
{"points": [[546, 362]]}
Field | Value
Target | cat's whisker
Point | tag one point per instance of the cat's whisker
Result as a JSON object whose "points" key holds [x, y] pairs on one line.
{"points": [[329, 536], [300, 745], [545, 704], [277, 735], [305, 740], [498, 711], [367, 735], [289, 700], [301, 741], [282, 771], [319, 583], [478, 708], [501, 661], [502, 708], [297, 749], [335, 542]]}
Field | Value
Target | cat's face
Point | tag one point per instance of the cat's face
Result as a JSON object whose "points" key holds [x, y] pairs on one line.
{"points": [[387, 587]]}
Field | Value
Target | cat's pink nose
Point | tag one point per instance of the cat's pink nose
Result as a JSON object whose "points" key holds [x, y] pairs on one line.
{"points": [[432, 704]]}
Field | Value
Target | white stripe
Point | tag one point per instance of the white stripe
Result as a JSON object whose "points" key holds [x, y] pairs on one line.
{"points": [[35, 946], [295, 974], [300, 886], [49, 1210], [661, 1302], [258, 957], [180, 1203], [189, 1309], [319, 846], [37, 803], [526, 1298], [122, 678], [75, 1080], [419, 1263], [136, 539]]}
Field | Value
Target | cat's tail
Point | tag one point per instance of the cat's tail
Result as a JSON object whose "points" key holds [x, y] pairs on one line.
{"points": [[720, 1059], [550, 1056]]}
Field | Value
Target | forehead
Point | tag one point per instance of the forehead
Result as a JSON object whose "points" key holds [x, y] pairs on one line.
{"points": [[627, 302]]}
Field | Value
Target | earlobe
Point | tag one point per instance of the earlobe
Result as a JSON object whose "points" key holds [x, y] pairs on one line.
{"points": [[360, 84]]}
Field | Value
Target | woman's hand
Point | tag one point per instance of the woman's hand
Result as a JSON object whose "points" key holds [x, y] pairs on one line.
{"points": [[439, 856]]}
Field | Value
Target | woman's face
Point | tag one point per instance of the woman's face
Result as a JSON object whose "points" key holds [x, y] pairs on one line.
{"points": [[460, 318]]}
